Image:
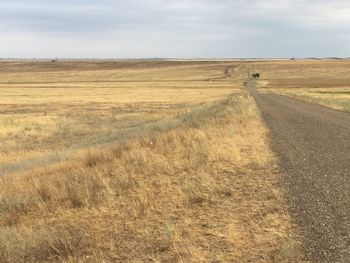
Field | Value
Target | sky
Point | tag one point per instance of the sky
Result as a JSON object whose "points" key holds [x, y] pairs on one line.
{"points": [[174, 28]]}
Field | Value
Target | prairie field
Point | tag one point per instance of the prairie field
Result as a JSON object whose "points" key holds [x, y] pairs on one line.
{"points": [[324, 82], [49, 114], [187, 131], [149, 161], [137, 161]]}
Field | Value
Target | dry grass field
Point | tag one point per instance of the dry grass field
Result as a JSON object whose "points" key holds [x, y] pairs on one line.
{"points": [[137, 162], [324, 82], [49, 113]]}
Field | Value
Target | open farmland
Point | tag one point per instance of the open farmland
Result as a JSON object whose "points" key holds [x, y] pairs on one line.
{"points": [[48, 114], [171, 161], [135, 162]]}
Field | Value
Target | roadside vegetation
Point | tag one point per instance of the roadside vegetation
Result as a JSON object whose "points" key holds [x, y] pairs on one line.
{"points": [[197, 184]]}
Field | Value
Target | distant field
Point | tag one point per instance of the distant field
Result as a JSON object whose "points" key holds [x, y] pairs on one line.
{"points": [[324, 82], [49, 111]]}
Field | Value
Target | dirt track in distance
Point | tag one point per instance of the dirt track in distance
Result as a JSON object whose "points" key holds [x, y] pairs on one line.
{"points": [[313, 146]]}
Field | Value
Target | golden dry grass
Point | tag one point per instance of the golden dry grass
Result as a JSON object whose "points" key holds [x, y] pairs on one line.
{"points": [[324, 82], [197, 183], [83, 106]]}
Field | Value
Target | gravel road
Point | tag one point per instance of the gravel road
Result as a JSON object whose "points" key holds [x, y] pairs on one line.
{"points": [[313, 146]]}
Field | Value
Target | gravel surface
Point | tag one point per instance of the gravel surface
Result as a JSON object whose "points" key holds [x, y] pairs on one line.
{"points": [[313, 146]]}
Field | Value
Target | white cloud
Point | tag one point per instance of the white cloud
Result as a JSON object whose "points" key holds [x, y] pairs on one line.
{"points": [[156, 28]]}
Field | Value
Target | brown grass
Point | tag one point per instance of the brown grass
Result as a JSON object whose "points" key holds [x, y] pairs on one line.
{"points": [[194, 193], [48, 114], [198, 185]]}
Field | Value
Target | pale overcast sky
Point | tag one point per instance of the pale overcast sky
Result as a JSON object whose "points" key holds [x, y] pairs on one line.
{"points": [[179, 28]]}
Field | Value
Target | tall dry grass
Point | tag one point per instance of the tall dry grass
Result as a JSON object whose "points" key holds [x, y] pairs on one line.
{"points": [[200, 187], [48, 113]]}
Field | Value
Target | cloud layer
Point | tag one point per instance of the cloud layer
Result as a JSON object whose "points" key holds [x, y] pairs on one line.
{"points": [[182, 28]]}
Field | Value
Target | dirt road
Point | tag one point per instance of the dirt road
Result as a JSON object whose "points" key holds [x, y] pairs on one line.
{"points": [[313, 146]]}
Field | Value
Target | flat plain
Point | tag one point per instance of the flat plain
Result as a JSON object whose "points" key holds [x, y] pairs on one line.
{"points": [[48, 113], [171, 161], [137, 162]]}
